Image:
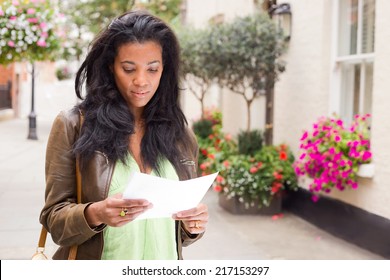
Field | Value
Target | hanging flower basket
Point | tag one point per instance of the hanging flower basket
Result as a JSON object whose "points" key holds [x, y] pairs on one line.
{"points": [[333, 155]]}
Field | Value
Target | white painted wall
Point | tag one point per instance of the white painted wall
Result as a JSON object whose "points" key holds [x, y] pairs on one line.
{"points": [[374, 194], [301, 94], [200, 11]]}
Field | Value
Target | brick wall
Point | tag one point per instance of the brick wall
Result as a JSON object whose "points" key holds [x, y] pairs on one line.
{"points": [[6, 73]]}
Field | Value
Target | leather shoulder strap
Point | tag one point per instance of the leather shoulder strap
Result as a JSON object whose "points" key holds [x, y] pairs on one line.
{"points": [[43, 235], [73, 249]]}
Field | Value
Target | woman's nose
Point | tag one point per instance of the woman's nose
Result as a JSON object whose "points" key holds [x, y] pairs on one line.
{"points": [[140, 80]]}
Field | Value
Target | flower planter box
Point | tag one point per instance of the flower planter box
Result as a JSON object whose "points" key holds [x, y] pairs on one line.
{"points": [[234, 206], [366, 170]]}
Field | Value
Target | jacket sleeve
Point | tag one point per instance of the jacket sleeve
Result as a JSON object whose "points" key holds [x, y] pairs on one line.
{"points": [[61, 215], [186, 237]]}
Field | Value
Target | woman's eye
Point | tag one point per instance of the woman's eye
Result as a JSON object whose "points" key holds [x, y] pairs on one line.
{"points": [[153, 70], [128, 70]]}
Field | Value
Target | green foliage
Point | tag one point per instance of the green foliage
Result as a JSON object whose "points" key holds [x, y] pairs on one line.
{"points": [[247, 53], [196, 55], [88, 17], [197, 67], [63, 73], [250, 142], [85, 19], [249, 48], [97, 14], [212, 141], [255, 180], [167, 10], [203, 128]]}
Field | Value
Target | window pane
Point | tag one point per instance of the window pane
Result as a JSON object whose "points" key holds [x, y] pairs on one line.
{"points": [[367, 106], [348, 26], [347, 92], [355, 79], [356, 90], [368, 28]]}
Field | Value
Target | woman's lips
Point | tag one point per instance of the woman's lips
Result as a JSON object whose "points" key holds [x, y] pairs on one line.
{"points": [[140, 94]]}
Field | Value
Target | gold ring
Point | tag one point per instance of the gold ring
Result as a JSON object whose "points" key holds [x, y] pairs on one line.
{"points": [[123, 212], [197, 224]]}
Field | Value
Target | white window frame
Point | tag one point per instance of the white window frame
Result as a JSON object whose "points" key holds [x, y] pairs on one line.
{"points": [[338, 61]]}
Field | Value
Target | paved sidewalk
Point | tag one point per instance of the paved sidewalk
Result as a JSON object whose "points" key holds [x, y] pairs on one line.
{"points": [[229, 236]]}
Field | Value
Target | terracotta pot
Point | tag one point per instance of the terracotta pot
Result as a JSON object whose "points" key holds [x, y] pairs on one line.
{"points": [[234, 206]]}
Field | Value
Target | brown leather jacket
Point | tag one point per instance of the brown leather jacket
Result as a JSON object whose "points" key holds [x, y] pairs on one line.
{"points": [[61, 215]]}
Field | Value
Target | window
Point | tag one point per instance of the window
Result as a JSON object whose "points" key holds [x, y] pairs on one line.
{"points": [[355, 56]]}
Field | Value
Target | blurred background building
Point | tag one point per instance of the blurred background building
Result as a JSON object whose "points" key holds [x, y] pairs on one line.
{"points": [[336, 62]]}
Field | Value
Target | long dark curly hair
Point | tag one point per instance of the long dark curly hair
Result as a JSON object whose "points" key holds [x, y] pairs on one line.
{"points": [[108, 120]]}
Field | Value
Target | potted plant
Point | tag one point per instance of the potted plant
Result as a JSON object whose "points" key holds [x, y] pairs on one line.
{"points": [[254, 184], [250, 184], [331, 154]]}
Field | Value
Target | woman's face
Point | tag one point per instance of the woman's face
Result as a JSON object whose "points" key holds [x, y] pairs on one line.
{"points": [[137, 71]]}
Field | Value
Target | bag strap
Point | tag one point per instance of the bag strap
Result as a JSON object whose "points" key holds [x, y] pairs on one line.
{"points": [[73, 249], [43, 235]]}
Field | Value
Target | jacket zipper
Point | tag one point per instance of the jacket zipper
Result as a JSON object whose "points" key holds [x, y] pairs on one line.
{"points": [[105, 156], [189, 163]]}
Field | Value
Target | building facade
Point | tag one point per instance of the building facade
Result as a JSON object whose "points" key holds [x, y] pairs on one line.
{"points": [[337, 62]]}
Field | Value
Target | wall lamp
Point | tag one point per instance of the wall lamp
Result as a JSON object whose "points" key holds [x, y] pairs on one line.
{"points": [[281, 15]]}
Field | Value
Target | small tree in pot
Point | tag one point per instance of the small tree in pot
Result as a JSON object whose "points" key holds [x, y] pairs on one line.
{"points": [[248, 52], [197, 66]]}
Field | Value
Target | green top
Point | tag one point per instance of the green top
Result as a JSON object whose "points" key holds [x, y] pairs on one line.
{"points": [[145, 239]]}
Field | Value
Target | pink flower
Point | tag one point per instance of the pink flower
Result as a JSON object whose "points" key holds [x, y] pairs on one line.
{"points": [[203, 166], [41, 43], [12, 18], [32, 20], [30, 11], [304, 136], [43, 25], [253, 169], [1, 12], [220, 179], [367, 155], [314, 198], [11, 44], [228, 137], [331, 153], [15, 2]]}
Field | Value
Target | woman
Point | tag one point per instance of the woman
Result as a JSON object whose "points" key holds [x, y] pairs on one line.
{"points": [[132, 122]]}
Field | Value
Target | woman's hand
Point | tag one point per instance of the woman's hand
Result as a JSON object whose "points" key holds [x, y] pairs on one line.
{"points": [[195, 219], [115, 211]]}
